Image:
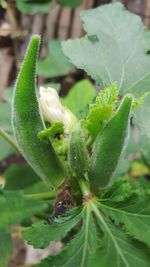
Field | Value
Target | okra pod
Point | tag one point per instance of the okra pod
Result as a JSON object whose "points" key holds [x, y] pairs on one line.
{"points": [[78, 155], [109, 145], [27, 122]]}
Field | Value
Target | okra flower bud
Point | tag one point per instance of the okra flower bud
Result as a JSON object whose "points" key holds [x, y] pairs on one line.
{"points": [[52, 109]]}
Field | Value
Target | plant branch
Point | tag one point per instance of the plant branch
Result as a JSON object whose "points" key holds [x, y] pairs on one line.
{"points": [[45, 195], [84, 186], [9, 139]]}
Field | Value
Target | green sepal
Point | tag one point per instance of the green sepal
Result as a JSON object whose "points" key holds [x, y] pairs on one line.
{"points": [[109, 145], [27, 122], [56, 129]]}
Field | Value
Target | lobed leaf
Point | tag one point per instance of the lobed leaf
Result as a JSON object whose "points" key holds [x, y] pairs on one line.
{"points": [[108, 58], [134, 214], [117, 245], [118, 250], [115, 50], [142, 117], [101, 111], [120, 190], [100, 232], [14, 207], [40, 234], [78, 250], [98, 241], [19, 177]]}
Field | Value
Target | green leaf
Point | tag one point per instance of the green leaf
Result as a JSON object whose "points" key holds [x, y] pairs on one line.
{"points": [[6, 248], [8, 93], [5, 124], [118, 250], [19, 177], [5, 117], [134, 213], [27, 6], [138, 169], [142, 117], [78, 250], [71, 4], [40, 234], [121, 189], [143, 146], [100, 232], [75, 102], [109, 145], [7, 137], [111, 50], [6, 149], [118, 246], [14, 207], [28, 123], [56, 64], [99, 242], [35, 188], [101, 111]]}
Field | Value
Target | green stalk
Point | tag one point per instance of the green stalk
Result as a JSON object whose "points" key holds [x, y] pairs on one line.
{"points": [[45, 195], [9, 139], [84, 186]]}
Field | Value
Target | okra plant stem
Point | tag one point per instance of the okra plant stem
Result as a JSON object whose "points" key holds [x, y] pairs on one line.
{"points": [[9, 139], [45, 195], [84, 186]]}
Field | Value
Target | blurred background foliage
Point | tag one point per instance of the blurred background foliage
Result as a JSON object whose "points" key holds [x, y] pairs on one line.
{"points": [[55, 21]]}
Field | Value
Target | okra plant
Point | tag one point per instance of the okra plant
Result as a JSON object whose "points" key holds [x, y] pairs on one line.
{"points": [[102, 220]]}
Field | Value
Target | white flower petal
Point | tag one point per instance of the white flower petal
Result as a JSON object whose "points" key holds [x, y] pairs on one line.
{"points": [[51, 108], [49, 92]]}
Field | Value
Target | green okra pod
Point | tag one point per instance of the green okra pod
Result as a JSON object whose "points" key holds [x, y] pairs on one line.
{"points": [[78, 155], [27, 122], [109, 145]]}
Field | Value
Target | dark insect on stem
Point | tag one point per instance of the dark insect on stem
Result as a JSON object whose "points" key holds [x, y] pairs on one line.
{"points": [[58, 136], [63, 203]]}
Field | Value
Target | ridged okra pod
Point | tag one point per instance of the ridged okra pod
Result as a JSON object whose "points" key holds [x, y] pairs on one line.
{"points": [[109, 145], [78, 155], [27, 122]]}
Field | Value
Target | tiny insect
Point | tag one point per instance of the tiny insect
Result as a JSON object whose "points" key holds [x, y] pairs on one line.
{"points": [[63, 203]]}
